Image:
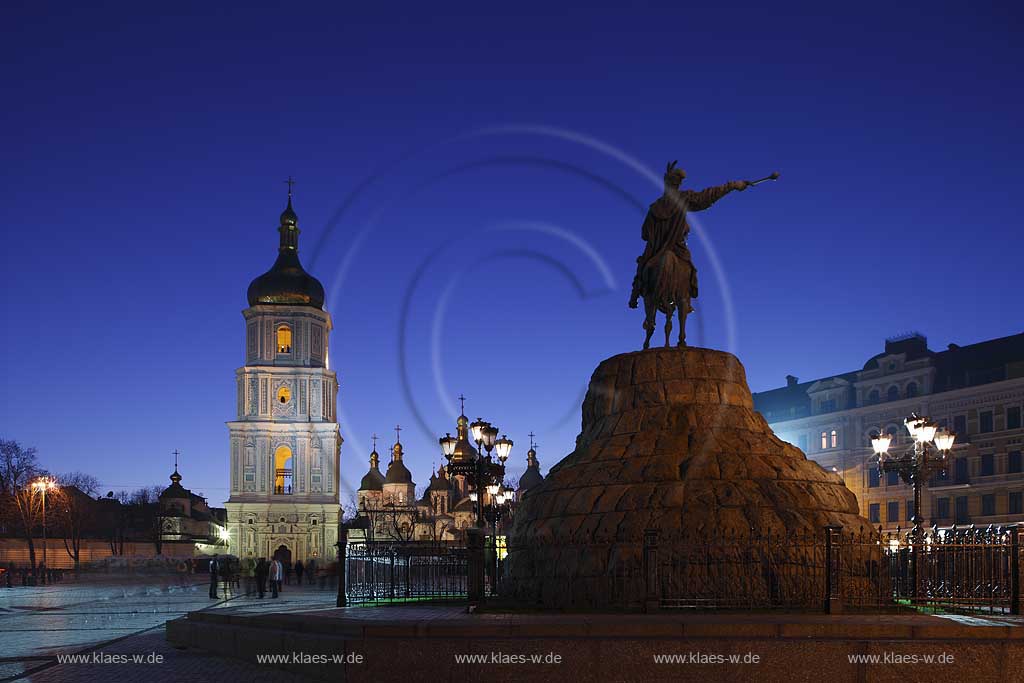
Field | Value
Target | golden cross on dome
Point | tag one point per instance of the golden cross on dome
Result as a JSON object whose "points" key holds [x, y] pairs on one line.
{"points": [[398, 433], [374, 438], [462, 404], [176, 454]]}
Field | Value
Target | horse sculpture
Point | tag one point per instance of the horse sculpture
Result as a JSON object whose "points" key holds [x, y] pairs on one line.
{"points": [[665, 283]]}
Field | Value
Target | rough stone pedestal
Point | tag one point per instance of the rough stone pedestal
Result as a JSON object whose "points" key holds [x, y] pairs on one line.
{"points": [[670, 441]]}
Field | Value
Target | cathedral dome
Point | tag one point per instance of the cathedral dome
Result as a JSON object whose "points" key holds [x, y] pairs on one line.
{"points": [[532, 476], [287, 283], [530, 479], [373, 480], [397, 473]]}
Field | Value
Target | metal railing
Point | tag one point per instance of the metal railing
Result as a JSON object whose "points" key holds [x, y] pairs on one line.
{"points": [[965, 568], [957, 569], [378, 572]]}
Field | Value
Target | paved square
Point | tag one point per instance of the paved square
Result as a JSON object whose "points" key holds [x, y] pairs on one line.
{"points": [[125, 616]]}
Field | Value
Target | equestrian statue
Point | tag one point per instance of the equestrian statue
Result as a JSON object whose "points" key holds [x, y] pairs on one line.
{"points": [[665, 276]]}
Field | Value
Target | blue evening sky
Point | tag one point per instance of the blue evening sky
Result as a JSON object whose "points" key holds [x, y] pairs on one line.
{"points": [[471, 181]]}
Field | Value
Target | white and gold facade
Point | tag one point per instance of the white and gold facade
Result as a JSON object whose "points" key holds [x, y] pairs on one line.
{"points": [[285, 443]]}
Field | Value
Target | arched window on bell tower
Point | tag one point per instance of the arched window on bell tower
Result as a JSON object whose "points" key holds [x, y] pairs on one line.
{"points": [[283, 471], [284, 339]]}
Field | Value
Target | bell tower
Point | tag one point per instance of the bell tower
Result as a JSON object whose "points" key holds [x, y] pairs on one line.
{"points": [[285, 442]]}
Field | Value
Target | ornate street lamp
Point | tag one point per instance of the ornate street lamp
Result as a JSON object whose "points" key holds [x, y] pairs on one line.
{"points": [[929, 455], [482, 473], [480, 470]]}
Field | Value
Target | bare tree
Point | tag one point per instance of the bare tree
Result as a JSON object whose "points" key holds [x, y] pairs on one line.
{"points": [[114, 521], [436, 527], [145, 495], [76, 510], [350, 508], [20, 505], [144, 509]]}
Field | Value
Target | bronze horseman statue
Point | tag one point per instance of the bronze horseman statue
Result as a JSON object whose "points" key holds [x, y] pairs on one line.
{"points": [[665, 275]]}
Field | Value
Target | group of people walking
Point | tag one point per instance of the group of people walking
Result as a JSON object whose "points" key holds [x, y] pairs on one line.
{"points": [[258, 573]]}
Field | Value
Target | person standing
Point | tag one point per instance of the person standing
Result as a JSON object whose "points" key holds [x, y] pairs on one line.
{"points": [[249, 568], [299, 569], [311, 571], [214, 576], [261, 576], [276, 573]]}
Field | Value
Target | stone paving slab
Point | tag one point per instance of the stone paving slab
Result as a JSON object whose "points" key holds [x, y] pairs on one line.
{"points": [[37, 624]]}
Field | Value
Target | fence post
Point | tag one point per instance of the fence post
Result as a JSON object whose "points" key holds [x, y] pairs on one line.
{"points": [[475, 564], [1015, 570], [342, 600], [652, 592], [833, 604]]}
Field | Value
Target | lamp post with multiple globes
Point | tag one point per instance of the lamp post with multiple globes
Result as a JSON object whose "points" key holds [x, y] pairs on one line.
{"points": [[481, 472], [929, 455]]}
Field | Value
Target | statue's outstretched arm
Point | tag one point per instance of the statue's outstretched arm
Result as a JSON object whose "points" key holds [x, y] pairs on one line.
{"points": [[698, 201]]}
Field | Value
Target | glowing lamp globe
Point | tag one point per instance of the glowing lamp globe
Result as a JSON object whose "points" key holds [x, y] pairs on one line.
{"points": [[503, 447], [880, 444], [448, 443], [944, 440]]}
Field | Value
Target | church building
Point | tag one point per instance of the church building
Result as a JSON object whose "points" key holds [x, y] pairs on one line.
{"points": [[285, 443]]}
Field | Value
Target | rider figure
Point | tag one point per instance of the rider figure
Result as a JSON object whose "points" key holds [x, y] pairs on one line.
{"points": [[665, 227]]}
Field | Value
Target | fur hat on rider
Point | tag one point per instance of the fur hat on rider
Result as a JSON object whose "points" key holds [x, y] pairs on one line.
{"points": [[674, 176]]}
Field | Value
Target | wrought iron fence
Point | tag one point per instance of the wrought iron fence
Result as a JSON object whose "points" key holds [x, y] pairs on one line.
{"points": [[966, 568], [957, 569], [379, 572], [749, 572]]}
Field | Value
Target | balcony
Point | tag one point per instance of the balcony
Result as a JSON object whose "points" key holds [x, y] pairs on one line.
{"points": [[282, 482]]}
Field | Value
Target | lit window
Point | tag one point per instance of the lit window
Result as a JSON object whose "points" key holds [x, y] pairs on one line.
{"points": [[284, 339], [283, 471], [835, 439], [284, 394], [824, 440]]}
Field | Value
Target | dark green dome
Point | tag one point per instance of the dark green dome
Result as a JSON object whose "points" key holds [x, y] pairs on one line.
{"points": [[287, 283], [373, 480]]}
